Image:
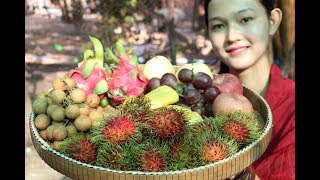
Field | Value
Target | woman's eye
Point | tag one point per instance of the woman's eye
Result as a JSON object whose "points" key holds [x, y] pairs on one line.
{"points": [[246, 19], [217, 27]]}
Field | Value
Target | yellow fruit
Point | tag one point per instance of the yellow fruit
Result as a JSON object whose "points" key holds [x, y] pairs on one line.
{"points": [[162, 96], [192, 116], [157, 66]]}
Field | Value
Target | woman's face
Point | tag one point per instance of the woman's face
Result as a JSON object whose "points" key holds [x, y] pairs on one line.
{"points": [[239, 31]]}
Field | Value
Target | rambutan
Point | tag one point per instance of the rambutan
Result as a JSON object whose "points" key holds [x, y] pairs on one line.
{"points": [[136, 108], [167, 122], [80, 148], [124, 157], [152, 161], [216, 148], [116, 128], [206, 144], [214, 151], [176, 146], [178, 154], [197, 132], [239, 126], [119, 130], [236, 130]]}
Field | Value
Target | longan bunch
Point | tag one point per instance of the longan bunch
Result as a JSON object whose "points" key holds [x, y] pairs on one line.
{"points": [[66, 110]]}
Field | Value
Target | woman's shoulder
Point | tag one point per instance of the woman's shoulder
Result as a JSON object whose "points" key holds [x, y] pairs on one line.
{"points": [[276, 78], [280, 89]]}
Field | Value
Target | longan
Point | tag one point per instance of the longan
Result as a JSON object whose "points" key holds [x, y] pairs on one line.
{"points": [[93, 100], [82, 123], [78, 95], [42, 121]]}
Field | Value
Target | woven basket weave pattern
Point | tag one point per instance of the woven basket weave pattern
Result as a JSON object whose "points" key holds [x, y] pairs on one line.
{"points": [[219, 170]]}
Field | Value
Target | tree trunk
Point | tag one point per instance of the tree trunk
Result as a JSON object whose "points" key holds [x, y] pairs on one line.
{"points": [[77, 11], [195, 14], [172, 38]]}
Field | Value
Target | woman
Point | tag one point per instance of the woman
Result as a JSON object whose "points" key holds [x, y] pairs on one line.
{"points": [[241, 34]]}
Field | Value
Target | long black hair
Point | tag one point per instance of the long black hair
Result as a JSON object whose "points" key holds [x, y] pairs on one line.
{"points": [[267, 4]]}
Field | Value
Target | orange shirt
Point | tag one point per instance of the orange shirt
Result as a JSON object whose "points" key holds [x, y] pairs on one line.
{"points": [[278, 161]]}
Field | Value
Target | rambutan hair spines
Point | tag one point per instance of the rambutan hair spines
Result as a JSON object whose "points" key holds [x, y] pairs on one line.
{"points": [[117, 129], [79, 147], [152, 160], [212, 148], [244, 129], [137, 108], [167, 122]]}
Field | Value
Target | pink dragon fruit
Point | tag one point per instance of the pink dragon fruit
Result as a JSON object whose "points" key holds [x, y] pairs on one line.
{"points": [[126, 77], [89, 83], [91, 76]]}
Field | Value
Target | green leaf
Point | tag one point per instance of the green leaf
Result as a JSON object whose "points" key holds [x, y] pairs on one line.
{"points": [[58, 47], [88, 67], [101, 87], [81, 105], [123, 11], [88, 53], [98, 50], [133, 3]]}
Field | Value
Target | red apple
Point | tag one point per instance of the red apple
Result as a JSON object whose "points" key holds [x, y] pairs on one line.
{"points": [[228, 82], [227, 102]]}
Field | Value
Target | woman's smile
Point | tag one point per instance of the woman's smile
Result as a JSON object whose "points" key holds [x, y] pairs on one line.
{"points": [[237, 51]]}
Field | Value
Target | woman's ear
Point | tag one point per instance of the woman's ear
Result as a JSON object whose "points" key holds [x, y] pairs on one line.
{"points": [[275, 20]]}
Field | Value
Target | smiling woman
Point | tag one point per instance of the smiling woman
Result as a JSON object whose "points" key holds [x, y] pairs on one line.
{"points": [[241, 32]]}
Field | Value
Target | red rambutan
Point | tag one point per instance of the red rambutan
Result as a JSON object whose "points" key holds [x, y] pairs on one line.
{"points": [[137, 108], [214, 151], [83, 151], [167, 122], [119, 130], [152, 161], [80, 148], [243, 128], [237, 130]]}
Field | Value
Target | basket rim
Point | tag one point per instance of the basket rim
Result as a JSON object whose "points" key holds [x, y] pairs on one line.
{"points": [[267, 128]]}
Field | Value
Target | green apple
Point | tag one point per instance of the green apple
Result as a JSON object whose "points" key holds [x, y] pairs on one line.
{"points": [[157, 66]]}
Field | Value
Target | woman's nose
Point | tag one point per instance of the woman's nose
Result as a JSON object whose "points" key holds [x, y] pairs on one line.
{"points": [[233, 34]]}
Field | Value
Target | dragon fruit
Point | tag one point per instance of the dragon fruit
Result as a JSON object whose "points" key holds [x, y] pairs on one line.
{"points": [[90, 75], [126, 78], [89, 83]]}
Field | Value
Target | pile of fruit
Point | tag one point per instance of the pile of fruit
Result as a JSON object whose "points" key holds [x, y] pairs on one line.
{"points": [[115, 113]]}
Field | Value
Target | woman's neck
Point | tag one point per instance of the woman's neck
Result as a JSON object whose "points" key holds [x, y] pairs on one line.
{"points": [[256, 77]]}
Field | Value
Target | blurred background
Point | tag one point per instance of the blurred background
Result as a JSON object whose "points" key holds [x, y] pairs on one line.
{"points": [[57, 33]]}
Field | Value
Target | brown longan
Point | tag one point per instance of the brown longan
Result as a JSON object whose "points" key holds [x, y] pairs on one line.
{"points": [[83, 123], [42, 121], [78, 95], [93, 100]]}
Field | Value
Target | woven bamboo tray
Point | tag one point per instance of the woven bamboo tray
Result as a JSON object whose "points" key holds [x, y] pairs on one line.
{"points": [[219, 170]]}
